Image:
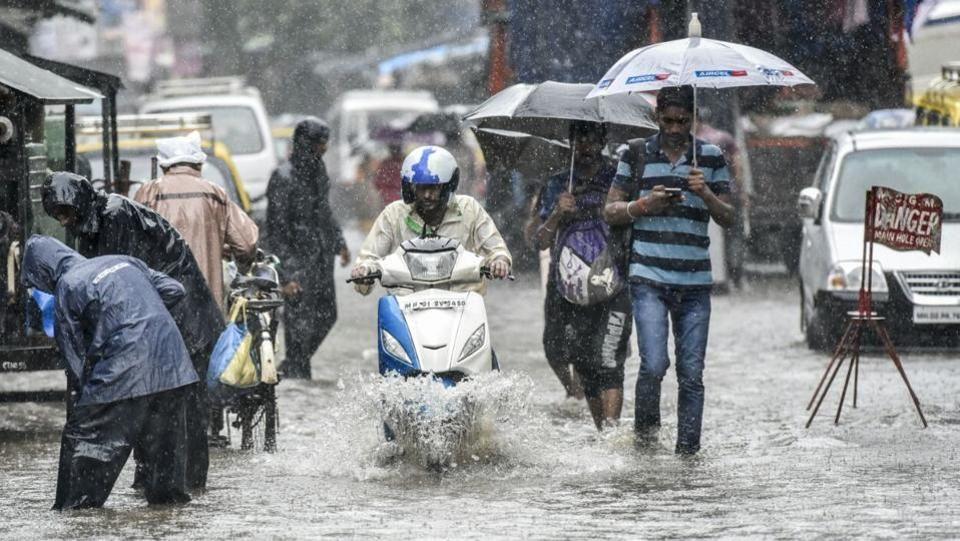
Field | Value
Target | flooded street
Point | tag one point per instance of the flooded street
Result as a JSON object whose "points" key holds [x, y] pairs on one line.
{"points": [[541, 471]]}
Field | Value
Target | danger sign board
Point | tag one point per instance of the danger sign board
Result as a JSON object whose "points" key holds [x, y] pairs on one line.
{"points": [[904, 221]]}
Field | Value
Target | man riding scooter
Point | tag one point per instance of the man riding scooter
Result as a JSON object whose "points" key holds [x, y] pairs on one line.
{"points": [[428, 180]]}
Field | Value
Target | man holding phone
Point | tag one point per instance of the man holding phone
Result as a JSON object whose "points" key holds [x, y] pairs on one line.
{"points": [[669, 203]]}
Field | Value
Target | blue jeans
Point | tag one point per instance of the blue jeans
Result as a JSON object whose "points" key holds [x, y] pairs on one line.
{"points": [[689, 310]]}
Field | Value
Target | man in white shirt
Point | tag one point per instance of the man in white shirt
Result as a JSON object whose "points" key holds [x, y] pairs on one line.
{"points": [[429, 179]]}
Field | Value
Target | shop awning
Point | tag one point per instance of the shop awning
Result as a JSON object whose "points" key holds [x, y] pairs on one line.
{"points": [[26, 78]]}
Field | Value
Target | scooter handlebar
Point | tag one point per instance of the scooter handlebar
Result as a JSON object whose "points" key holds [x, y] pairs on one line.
{"points": [[367, 279], [485, 272]]}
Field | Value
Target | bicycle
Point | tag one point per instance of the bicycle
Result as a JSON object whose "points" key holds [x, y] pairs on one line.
{"points": [[254, 410]]}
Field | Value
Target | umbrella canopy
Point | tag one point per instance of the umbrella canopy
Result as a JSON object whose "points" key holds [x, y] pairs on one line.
{"points": [[546, 110], [699, 62], [533, 157]]}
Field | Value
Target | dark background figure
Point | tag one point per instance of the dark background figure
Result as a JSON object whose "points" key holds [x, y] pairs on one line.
{"points": [[127, 372], [303, 233], [110, 224], [388, 171]]}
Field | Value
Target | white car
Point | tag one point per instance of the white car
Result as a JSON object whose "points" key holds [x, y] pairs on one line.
{"points": [[919, 295], [239, 121]]}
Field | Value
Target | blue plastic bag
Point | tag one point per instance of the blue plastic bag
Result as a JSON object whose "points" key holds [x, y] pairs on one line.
{"points": [[224, 351], [46, 303]]}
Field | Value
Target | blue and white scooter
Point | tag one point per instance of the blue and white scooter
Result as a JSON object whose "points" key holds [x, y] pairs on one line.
{"points": [[427, 323], [430, 327]]}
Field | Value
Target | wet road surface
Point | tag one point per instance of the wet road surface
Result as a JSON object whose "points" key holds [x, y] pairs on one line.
{"points": [[541, 471]]}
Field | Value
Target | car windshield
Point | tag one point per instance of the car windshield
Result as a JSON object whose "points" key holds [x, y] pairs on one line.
{"points": [[235, 127], [140, 171], [908, 170]]}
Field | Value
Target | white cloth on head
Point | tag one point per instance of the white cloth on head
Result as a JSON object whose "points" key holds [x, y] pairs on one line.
{"points": [[174, 150]]}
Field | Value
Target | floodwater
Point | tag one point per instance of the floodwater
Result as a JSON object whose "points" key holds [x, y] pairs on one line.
{"points": [[538, 469]]}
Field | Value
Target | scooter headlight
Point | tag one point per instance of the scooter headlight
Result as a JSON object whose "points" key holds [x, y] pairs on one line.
{"points": [[427, 267], [393, 347], [474, 343]]}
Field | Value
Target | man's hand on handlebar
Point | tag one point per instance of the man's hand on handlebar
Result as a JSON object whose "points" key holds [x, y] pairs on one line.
{"points": [[500, 268], [362, 287]]}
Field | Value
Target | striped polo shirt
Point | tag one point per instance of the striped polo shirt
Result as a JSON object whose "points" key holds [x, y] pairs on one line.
{"points": [[672, 248]]}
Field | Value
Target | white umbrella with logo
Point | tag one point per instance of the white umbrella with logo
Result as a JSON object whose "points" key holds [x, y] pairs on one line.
{"points": [[698, 62]]}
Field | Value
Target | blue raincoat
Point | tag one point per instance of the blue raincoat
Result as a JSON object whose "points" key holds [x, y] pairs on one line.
{"points": [[113, 327]]}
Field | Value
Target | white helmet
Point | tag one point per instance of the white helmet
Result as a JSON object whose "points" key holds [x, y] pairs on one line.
{"points": [[429, 165]]}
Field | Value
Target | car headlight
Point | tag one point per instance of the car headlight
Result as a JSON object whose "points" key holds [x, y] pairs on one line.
{"points": [[393, 347], [474, 343], [845, 276]]}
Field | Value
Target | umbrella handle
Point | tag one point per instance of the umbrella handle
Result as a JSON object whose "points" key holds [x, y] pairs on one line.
{"points": [[694, 120], [573, 150]]}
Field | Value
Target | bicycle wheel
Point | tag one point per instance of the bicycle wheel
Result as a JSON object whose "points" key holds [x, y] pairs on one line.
{"points": [[257, 420]]}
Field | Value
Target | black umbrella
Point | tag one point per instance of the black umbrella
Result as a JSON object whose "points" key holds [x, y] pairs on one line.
{"points": [[531, 156], [546, 110]]}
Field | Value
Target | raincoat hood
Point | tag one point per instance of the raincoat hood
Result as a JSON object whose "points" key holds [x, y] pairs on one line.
{"points": [[306, 134], [45, 261], [67, 189]]}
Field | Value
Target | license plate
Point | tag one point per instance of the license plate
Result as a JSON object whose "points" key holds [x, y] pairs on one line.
{"points": [[433, 304], [936, 314]]}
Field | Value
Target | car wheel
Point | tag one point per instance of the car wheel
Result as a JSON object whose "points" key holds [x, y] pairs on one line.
{"points": [[822, 333]]}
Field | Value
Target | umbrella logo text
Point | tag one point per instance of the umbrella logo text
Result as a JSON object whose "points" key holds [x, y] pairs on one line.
{"points": [[645, 78], [720, 73]]}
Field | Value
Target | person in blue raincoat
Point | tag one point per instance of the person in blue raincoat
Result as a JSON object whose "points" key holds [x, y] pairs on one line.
{"points": [[127, 372], [110, 224]]}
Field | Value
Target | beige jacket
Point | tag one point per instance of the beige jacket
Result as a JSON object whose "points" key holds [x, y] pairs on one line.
{"points": [[466, 221], [203, 213]]}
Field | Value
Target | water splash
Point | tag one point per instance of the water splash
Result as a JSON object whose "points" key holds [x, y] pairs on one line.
{"points": [[440, 427]]}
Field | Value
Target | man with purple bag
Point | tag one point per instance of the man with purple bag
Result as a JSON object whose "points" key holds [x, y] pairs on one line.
{"points": [[587, 310]]}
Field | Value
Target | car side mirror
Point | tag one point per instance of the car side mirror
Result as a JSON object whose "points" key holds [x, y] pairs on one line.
{"points": [[808, 204]]}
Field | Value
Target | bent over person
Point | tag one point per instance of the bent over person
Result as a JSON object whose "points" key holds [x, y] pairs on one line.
{"points": [[127, 372], [670, 199], [114, 225]]}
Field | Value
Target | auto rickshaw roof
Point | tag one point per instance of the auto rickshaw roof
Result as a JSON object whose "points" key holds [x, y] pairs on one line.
{"points": [[44, 85]]}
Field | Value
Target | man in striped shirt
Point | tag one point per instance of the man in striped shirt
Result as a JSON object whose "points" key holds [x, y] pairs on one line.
{"points": [[670, 202]]}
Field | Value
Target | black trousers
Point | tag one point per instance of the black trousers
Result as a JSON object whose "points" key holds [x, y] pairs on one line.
{"points": [[307, 320], [198, 422], [196, 427], [593, 338], [97, 440]]}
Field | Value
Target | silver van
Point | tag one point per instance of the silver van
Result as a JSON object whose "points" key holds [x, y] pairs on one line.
{"points": [[919, 295]]}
